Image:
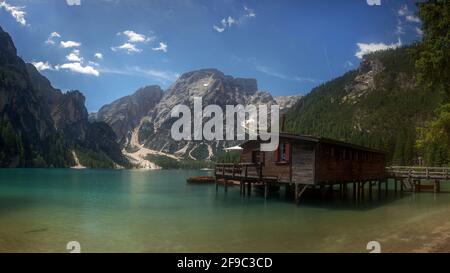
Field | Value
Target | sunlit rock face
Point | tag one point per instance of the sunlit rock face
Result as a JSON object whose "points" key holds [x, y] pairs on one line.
{"points": [[124, 114]]}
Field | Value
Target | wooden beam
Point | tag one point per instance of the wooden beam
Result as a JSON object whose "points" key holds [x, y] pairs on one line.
{"points": [[266, 190], [299, 192], [387, 186]]}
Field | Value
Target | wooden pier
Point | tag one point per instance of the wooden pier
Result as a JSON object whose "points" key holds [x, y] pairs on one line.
{"points": [[304, 162], [405, 179], [412, 178]]}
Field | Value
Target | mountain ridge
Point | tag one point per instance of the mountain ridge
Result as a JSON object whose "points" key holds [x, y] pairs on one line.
{"points": [[40, 126], [379, 105], [152, 134]]}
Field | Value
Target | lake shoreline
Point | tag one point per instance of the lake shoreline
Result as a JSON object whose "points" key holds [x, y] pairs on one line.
{"points": [[139, 211]]}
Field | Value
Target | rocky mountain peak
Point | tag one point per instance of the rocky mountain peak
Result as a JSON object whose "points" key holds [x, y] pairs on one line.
{"points": [[124, 114], [364, 81], [148, 91], [6, 45], [209, 82], [286, 102]]}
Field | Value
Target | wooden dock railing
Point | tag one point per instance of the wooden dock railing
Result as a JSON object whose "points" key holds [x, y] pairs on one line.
{"points": [[238, 170], [440, 173]]}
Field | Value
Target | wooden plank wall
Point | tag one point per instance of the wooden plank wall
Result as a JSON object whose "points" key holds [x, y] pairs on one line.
{"points": [[303, 163], [270, 168], [356, 165]]}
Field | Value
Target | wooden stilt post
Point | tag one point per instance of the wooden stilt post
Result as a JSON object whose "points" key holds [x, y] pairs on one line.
{"points": [[358, 192], [249, 188], [354, 191], [402, 187], [296, 193], [395, 186], [379, 188], [240, 185], [266, 190], [370, 189], [362, 190], [387, 186]]}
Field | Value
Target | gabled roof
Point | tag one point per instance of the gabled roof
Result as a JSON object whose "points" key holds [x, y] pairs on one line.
{"points": [[314, 139]]}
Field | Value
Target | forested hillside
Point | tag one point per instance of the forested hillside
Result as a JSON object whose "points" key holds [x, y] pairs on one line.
{"points": [[393, 101]]}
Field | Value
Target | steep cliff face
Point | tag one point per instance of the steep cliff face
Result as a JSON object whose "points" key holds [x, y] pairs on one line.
{"points": [[124, 114], [67, 110], [40, 126], [26, 125]]}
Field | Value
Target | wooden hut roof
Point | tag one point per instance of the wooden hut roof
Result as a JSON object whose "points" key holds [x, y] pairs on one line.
{"points": [[308, 138]]}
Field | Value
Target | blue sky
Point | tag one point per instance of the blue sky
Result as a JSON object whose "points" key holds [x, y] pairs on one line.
{"points": [[109, 48]]}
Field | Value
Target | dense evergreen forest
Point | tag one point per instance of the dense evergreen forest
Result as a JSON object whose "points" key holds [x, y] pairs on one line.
{"points": [[397, 101]]}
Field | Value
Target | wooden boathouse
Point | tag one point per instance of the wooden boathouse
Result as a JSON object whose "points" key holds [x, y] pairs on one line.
{"points": [[303, 162]]}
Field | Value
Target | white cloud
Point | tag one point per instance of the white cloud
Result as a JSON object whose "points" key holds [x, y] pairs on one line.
{"points": [[128, 47], [159, 75], [229, 21], [98, 56], [224, 23], [73, 2], [51, 38], [41, 66], [409, 16], [79, 68], [162, 47], [365, 49], [270, 72], [134, 37], [399, 30], [219, 29], [419, 31], [69, 44], [17, 12], [412, 18], [404, 19], [348, 64], [74, 56], [373, 2], [403, 10], [250, 12], [94, 63]]}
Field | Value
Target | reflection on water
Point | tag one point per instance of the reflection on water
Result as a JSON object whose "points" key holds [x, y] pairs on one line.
{"points": [[156, 211]]}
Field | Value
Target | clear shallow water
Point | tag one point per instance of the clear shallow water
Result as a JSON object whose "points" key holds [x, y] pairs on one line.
{"points": [[156, 211]]}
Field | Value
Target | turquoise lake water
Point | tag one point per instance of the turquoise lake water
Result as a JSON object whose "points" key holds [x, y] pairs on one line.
{"points": [[156, 211]]}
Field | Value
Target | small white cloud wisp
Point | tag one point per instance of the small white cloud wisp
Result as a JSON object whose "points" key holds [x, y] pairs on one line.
{"points": [[17, 12], [364, 48]]}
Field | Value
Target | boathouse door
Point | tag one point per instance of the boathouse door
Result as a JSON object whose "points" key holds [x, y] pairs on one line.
{"points": [[303, 160]]}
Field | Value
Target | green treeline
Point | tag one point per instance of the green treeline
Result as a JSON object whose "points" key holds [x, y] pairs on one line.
{"points": [[405, 113]]}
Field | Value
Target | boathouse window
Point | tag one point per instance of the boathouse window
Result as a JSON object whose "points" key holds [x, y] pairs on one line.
{"points": [[348, 154], [282, 154]]}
